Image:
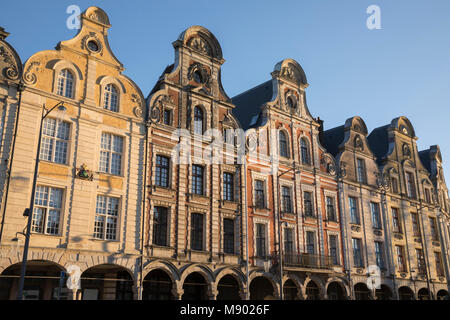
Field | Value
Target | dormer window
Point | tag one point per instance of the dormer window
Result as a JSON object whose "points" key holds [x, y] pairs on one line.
{"points": [[198, 77], [111, 99], [291, 103], [65, 83]]}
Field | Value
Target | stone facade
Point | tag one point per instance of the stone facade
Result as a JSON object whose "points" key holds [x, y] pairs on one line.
{"points": [[190, 194]]}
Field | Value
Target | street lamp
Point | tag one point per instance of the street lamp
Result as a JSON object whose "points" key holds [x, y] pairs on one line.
{"points": [[29, 211]]}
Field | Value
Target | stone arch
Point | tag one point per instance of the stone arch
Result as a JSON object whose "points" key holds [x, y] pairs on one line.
{"points": [[203, 270], [291, 69], [423, 293], [362, 292], [40, 286], [341, 282], [57, 66], [97, 14], [104, 80], [403, 122], [270, 277], [125, 268], [357, 124], [316, 280], [166, 266], [94, 261], [405, 293], [212, 46], [298, 283], [237, 274]]}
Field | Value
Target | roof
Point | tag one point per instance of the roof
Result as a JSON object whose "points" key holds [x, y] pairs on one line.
{"points": [[378, 142], [248, 104], [425, 159], [157, 86], [332, 138]]}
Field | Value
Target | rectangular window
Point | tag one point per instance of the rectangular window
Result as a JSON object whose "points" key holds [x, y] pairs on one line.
{"points": [[307, 202], [415, 224], [400, 258], [379, 254], [54, 142], [160, 226], [433, 227], [162, 171], [357, 253], [260, 240], [228, 186], [354, 214], [421, 267], [106, 217], [411, 186], [439, 269], [427, 195], [47, 210], [228, 236], [260, 201], [197, 179], [394, 185], [376, 219], [361, 171], [396, 224], [111, 154], [196, 231], [286, 199], [334, 251], [310, 242], [331, 212], [288, 241], [167, 117]]}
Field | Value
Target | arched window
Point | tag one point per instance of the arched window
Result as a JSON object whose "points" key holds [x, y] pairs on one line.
{"points": [[198, 120], [304, 150], [284, 150], [111, 98], [65, 83]]}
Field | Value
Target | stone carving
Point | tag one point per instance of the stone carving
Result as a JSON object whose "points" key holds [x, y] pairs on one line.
{"points": [[199, 44], [99, 16], [200, 75], [327, 162], [92, 36], [358, 144], [29, 77], [406, 151], [85, 174], [11, 72], [288, 73], [356, 228], [342, 171]]}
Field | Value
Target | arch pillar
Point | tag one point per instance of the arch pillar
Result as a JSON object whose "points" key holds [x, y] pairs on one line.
{"points": [[177, 293], [243, 294]]}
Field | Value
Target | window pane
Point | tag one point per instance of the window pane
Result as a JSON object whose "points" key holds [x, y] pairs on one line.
{"points": [[228, 236], [160, 226]]}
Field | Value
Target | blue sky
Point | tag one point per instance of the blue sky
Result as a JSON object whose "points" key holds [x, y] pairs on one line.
{"points": [[401, 69]]}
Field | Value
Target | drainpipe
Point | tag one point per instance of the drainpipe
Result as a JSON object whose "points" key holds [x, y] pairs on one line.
{"points": [[20, 88], [144, 201]]}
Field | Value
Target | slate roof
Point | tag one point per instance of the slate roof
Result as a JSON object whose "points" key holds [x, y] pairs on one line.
{"points": [[332, 138], [425, 159], [157, 86], [248, 104], [378, 142]]}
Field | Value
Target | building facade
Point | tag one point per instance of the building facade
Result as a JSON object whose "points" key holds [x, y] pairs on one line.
{"points": [[88, 195], [190, 194]]}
